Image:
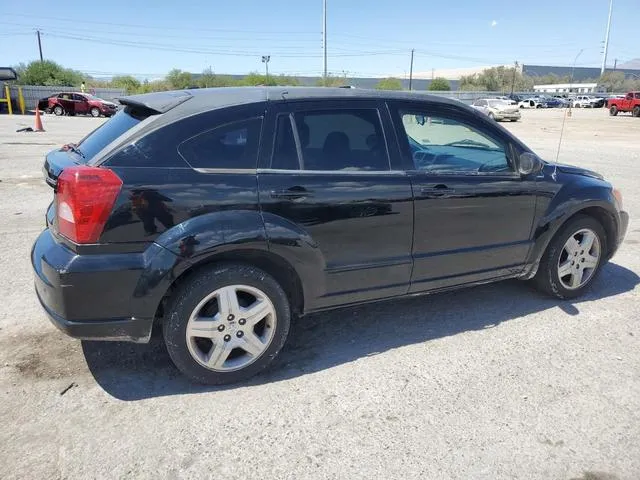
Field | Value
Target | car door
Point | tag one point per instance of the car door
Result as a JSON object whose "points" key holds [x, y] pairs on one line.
{"points": [[330, 177], [66, 101], [473, 212], [81, 103]]}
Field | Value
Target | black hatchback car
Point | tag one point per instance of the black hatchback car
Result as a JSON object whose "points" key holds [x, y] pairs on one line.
{"points": [[219, 215]]}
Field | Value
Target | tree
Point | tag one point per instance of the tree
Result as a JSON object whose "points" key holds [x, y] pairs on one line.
{"points": [[129, 83], [439, 84], [177, 79], [612, 81], [48, 73], [390, 83], [497, 79], [333, 81], [254, 78]]}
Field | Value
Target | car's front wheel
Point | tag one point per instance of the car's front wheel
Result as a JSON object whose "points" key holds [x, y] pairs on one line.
{"points": [[95, 112], [613, 111], [573, 258], [226, 323]]}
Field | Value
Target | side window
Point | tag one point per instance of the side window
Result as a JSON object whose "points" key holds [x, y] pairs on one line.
{"points": [[638, 95], [629, 96], [445, 145], [349, 139], [285, 153], [232, 146], [79, 98], [65, 96]]}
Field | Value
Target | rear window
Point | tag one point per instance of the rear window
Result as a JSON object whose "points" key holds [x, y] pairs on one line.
{"points": [[107, 133]]}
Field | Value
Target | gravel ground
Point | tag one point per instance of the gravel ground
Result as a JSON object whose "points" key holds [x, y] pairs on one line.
{"points": [[492, 382]]}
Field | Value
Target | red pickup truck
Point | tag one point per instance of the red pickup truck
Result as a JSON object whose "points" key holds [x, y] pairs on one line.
{"points": [[630, 103]]}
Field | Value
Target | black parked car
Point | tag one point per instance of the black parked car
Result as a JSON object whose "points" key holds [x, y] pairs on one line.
{"points": [[218, 215]]}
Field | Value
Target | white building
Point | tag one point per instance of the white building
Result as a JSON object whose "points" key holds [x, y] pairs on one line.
{"points": [[566, 88]]}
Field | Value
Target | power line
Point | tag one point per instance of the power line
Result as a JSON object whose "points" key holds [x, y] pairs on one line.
{"points": [[207, 51], [49, 19]]}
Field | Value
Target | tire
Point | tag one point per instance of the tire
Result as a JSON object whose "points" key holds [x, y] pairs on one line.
{"points": [[613, 111], [548, 279], [514, 119], [226, 334], [636, 111], [95, 112], [491, 116], [58, 111]]}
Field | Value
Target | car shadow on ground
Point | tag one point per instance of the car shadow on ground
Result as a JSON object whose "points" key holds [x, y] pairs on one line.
{"points": [[132, 372]]}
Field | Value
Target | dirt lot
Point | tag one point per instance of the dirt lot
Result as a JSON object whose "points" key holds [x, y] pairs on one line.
{"points": [[488, 383]]}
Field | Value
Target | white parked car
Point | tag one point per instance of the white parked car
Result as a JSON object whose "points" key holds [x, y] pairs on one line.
{"points": [[498, 109], [583, 101], [532, 102]]}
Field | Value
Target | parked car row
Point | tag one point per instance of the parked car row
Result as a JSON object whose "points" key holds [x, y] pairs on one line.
{"points": [[71, 103]]}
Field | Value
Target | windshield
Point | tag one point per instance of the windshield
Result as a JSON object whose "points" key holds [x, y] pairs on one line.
{"points": [[106, 133], [498, 103], [93, 97]]}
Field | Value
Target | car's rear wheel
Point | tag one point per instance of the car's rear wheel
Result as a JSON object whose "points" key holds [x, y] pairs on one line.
{"points": [[58, 111], [613, 111], [95, 112], [227, 323], [636, 111], [491, 116], [572, 259]]}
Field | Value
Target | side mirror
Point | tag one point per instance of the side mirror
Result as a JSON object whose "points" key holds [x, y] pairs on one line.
{"points": [[529, 163]]}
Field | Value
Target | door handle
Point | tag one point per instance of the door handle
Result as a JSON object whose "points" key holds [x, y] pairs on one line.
{"points": [[292, 193], [439, 190]]}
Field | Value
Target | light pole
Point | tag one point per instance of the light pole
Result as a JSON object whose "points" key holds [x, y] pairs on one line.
{"points": [[573, 68], [606, 40], [324, 42], [265, 60]]}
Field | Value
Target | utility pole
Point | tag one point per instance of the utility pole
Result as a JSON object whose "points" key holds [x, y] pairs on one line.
{"points": [[606, 40], [615, 64], [513, 79], [39, 44], [411, 71], [265, 60], [324, 41]]}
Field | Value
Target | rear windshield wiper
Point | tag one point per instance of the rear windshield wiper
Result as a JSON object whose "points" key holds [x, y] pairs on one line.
{"points": [[74, 148]]}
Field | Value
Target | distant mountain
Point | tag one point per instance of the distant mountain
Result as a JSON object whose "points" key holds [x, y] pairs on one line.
{"points": [[631, 64]]}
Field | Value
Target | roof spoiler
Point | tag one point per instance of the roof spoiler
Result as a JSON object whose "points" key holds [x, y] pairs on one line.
{"points": [[157, 102]]}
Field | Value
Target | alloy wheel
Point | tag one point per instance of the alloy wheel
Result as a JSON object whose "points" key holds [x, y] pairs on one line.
{"points": [[579, 259], [231, 328]]}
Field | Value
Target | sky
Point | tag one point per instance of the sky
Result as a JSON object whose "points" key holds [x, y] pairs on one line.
{"points": [[371, 38]]}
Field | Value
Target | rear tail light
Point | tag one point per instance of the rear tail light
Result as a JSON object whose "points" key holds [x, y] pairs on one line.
{"points": [[84, 199]]}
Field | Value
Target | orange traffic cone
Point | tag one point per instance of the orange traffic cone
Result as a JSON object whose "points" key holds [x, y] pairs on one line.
{"points": [[38, 121]]}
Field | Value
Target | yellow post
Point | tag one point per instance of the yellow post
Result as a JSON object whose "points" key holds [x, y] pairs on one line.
{"points": [[6, 90], [21, 100]]}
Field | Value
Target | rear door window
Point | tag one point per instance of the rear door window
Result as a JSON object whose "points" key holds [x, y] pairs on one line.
{"points": [[336, 139], [230, 146]]}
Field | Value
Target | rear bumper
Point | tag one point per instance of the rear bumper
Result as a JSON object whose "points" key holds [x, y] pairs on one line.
{"points": [[101, 296], [508, 116]]}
